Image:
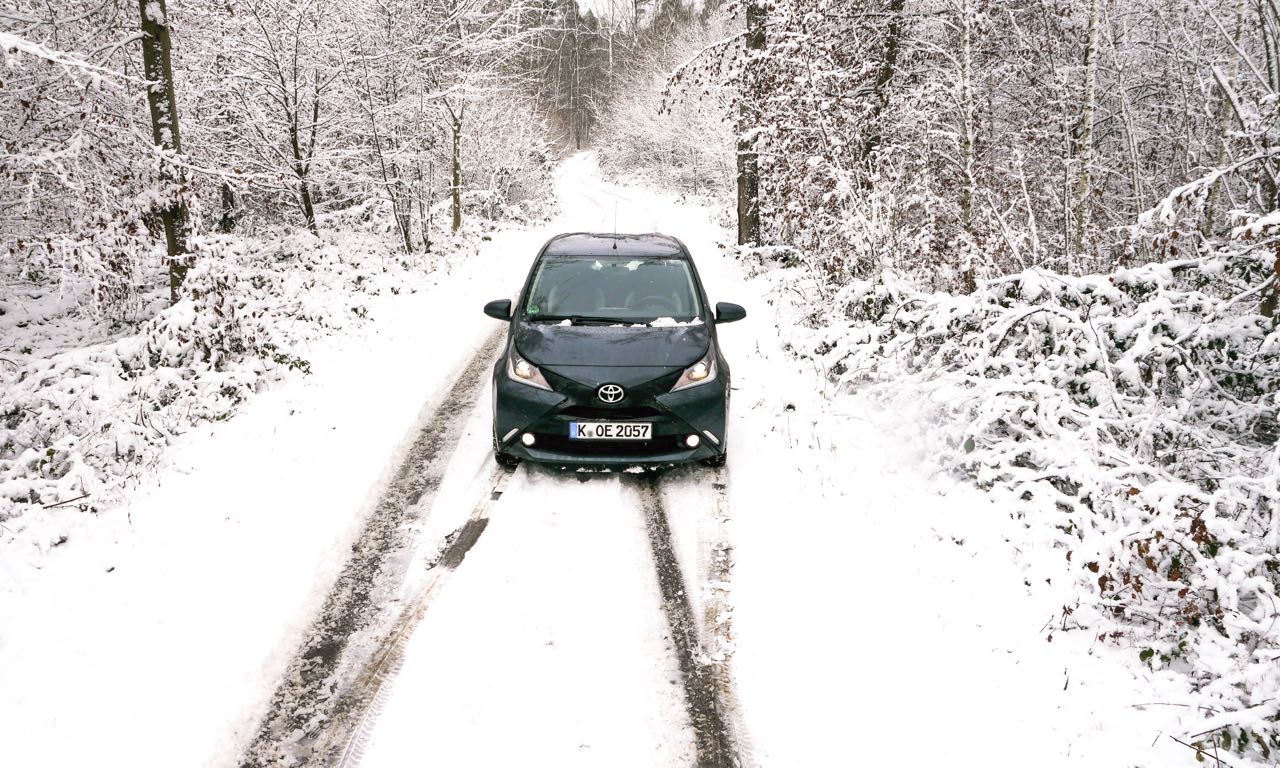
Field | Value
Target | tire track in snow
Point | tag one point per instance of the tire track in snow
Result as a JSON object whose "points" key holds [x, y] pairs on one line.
{"points": [[589, 194], [717, 614], [372, 689], [706, 683], [317, 693]]}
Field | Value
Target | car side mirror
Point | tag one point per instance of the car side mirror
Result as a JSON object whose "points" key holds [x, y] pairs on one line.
{"points": [[499, 310], [729, 313]]}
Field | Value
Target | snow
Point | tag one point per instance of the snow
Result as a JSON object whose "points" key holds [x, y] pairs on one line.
{"points": [[671, 322], [552, 627], [866, 595], [544, 640], [1064, 397], [907, 617], [874, 607], [157, 632], [88, 410], [1258, 227]]}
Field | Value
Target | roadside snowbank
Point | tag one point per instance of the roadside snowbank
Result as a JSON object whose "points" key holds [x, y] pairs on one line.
{"points": [[154, 634], [1129, 422], [879, 611], [79, 425]]}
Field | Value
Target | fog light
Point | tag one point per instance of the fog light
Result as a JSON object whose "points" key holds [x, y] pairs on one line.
{"points": [[528, 439], [692, 441]]}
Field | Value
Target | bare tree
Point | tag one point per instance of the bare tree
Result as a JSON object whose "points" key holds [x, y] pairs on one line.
{"points": [[1088, 105], [285, 80], [748, 160], [80, 179], [164, 130]]}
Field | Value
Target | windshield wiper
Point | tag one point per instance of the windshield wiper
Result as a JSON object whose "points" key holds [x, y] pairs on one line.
{"points": [[578, 319]]}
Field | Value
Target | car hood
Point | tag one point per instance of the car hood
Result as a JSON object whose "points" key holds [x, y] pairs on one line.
{"points": [[616, 346]]}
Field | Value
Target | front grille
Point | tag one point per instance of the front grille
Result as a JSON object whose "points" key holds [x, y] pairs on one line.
{"points": [[586, 392], [608, 414], [659, 444]]}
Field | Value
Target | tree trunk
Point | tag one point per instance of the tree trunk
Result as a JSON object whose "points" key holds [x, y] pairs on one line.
{"points": [[431, 204], [1270, 182], [455, 187], [1224, 122], [227, 222], [164, 130], [1088, 105], [301, 171], [968, 276], [308, 207], [1271, 299], [892, 42], [400, 207], [748, 161], [579, 119], [301, 159]]}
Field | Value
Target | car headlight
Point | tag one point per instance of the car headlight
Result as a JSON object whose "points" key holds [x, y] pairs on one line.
{"points": [[700, 372], [525, 372]]}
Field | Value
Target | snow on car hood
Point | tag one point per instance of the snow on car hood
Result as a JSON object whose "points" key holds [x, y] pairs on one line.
{"points": [[663, 346]]}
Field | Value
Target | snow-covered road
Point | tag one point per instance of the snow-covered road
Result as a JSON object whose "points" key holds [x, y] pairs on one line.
{"points": [[555, 627], [846, 608]]}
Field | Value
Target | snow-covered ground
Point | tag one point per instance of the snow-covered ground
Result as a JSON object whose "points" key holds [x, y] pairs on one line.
{"points": [[878, 613], [872, 612], [155, 635]]}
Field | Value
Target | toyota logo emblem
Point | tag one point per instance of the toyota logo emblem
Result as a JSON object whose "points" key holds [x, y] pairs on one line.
{"points": [[610, 393]]}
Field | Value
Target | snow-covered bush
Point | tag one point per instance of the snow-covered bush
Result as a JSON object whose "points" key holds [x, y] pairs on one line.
{"points": [[958, 140], [677, 135], [1131, 418], [79, 425]]}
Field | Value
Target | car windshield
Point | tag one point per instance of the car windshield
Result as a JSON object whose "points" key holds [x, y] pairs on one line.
{"points": [[623, 289]]}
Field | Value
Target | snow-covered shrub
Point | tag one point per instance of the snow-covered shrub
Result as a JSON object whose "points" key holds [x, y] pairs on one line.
{"points": [[1131, 418], [82, 423], [675, 134]]}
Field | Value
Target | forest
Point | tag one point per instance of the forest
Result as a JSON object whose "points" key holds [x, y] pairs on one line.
{"points": [[952, 141], [1055, 221]]}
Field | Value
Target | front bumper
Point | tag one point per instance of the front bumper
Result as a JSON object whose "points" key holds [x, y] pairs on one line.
{"points": [[519, 409]]}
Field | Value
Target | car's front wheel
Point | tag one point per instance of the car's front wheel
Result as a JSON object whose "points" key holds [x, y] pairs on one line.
{"points": [[503, 458]]}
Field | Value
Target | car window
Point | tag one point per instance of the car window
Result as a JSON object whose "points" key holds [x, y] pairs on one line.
{"points": [[628, 289]]}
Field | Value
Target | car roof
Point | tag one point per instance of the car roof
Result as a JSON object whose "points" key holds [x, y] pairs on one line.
{"points": [[596, 244]]}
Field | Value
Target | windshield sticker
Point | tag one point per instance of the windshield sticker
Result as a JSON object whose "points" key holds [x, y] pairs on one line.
{"points": [[533, 310]]}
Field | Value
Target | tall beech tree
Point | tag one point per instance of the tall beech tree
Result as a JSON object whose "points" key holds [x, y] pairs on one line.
{"points": [[748, 202], [157, 66]]}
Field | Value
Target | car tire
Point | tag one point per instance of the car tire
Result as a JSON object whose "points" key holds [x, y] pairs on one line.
{"points": [[503, 458], [716, 462]]}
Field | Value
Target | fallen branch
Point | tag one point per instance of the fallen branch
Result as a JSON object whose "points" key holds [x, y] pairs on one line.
{"points": [[1200, 753], [68, 501]]}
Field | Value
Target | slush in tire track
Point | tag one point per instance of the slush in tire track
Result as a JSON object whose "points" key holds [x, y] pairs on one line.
{"points": [[314, 695], [717, 615], [701, 681], [370, 690]]}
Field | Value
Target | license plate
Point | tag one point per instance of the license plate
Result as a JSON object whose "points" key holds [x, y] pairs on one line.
{"points": [[609, 430]]}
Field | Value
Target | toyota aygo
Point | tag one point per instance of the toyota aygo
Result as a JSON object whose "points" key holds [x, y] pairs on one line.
{"points": [[611, 358]]}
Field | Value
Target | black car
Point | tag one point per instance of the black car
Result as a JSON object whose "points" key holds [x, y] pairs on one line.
{"points": [[611, 358]]}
